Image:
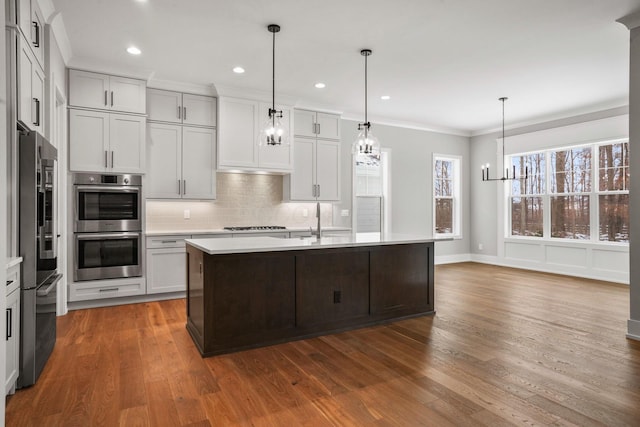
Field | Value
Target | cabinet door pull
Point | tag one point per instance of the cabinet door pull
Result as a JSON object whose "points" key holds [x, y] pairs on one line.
{"points": [[109, 290], [168, 241], [106, 157], [179, 187], [112, 159], [318, 129], [313, 190], [318, 195], [184, 113], [105, 98], [314, 129], [9, 325], [184, 187], [36, 42], [201, 269], [36, 102], [179, 112], [112, 98]]}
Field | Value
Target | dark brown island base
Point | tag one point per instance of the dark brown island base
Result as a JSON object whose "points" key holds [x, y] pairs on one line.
{"points": [[256, 291]]}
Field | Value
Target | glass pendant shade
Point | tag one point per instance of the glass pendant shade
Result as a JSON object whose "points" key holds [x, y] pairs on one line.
{"points": [[273, 133], [366, 144]]}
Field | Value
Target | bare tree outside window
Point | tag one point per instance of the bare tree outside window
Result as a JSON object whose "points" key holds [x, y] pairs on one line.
{"points": [[526, 201], [445, 195], [613, 196], [573, 195], [570, 179]]}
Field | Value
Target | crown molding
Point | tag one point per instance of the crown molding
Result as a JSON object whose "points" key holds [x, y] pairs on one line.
{"points": [[630, 21], [55, 21]]}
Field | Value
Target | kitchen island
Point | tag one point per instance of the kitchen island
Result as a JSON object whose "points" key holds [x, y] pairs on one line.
{"points": [[256, 291]]}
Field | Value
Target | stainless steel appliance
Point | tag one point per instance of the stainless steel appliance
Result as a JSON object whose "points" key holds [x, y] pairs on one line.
{"points": [[107, 255], [38, 243], [107, 202], [107, 226]]}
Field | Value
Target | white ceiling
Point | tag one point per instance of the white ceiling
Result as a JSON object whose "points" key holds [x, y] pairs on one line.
{"points": [[444, 63]]}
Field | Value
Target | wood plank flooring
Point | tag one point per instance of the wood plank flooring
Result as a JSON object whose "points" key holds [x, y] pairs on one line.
{"points": [[506, 347]]}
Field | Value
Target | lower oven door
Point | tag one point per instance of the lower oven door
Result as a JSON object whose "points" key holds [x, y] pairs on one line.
{"points": [[107, 255]]}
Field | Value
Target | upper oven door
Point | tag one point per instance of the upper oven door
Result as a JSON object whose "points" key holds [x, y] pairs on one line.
{"points": [[107, 208]]}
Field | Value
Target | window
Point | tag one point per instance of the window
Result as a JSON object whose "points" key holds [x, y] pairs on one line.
{"points": [[570, 179], [613, 192], [574, 189], [446, 191], [526, 199]]}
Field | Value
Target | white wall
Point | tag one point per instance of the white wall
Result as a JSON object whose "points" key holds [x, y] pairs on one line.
{"points": [[487, 224], [411, 181]]}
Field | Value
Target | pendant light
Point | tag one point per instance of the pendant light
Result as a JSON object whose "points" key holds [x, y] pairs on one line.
{"points": [[366, 144], [505, 176], [272, 131]]}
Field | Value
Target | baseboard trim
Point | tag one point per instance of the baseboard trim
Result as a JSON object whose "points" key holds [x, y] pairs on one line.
{"points": [[633, 329], [546, 268], [451, 259], [108, 302]]}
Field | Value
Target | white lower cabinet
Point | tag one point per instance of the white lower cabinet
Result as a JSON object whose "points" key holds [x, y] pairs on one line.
{"points": [[167, 262], [106, 289], [12, 333]]}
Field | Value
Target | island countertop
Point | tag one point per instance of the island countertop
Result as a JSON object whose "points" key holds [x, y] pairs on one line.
{"points": [[215, 246]]}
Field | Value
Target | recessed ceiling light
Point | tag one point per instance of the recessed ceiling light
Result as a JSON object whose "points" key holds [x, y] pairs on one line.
{"points": [[320, 85], [134, 50], [385, 97], [238, 70]]}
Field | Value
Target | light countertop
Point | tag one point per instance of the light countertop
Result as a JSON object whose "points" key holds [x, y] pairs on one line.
{"points": [[11, 262], [274, 244]]}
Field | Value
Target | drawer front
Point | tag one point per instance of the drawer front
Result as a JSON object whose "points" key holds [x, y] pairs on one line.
{"points": [[93, 290], [13, 276], [176, 241]]}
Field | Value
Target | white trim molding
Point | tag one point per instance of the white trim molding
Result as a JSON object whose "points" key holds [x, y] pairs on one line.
{"points": [[452, 259]]}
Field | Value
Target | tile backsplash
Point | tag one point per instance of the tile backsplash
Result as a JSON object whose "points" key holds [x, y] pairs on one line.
{"points": [[242, 199]]}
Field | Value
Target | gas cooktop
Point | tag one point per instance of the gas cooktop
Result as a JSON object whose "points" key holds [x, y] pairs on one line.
{"points": [[256, 227]]}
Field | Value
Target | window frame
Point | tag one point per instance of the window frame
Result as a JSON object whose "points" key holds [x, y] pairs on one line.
{"points": [[593, 195], [456, 220]]}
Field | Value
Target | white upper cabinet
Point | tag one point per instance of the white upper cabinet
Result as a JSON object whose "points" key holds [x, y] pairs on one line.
{"points": [[316, 171], [105, 92], [198, 110], [176, 107], [31, 23], [240, 121], [181, 162], [314, 124], [105, 142], [30, 89], [316, 165]]}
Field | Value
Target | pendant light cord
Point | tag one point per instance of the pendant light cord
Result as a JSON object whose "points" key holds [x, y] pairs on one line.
{"points": [[503, 132], [366, 120], [273, 78]]}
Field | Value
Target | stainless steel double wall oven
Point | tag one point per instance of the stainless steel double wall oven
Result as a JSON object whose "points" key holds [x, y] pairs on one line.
{"points": [[107, 226]]}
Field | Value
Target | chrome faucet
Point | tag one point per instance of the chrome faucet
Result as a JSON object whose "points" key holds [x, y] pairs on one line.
{"points": [[318, 231]]}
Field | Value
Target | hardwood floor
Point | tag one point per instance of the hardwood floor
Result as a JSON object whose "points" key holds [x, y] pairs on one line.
{"points": [[506, 347]]}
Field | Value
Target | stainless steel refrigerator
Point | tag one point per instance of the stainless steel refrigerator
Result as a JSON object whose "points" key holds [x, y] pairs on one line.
{"points": [[38, 248]]}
